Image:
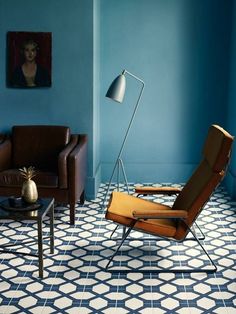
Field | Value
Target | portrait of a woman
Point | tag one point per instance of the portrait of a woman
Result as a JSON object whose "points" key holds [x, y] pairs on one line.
{"points": [[31, 69]]}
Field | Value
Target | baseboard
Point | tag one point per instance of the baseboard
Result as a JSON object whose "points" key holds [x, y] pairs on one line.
{"points": [[93, 184]]}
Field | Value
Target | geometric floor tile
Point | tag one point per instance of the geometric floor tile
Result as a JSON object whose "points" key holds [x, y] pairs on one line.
{"points": [[75, 280]]}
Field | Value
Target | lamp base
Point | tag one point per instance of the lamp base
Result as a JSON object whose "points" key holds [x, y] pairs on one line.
{"points": [[119, 167]]}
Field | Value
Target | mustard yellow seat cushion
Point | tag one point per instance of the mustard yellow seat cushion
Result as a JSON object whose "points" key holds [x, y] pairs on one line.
{"points": [[122, 206]]}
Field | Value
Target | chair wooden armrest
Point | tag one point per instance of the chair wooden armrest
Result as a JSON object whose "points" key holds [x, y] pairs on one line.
{"points": [[151, 190], [158, 214]]}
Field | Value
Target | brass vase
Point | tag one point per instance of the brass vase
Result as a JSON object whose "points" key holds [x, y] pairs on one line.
{"points": [[29, 191]]}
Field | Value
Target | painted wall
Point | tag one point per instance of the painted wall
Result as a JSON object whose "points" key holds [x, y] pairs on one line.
{"points": [[96, 98], [181, 50], [231, 116], [70, 99]]}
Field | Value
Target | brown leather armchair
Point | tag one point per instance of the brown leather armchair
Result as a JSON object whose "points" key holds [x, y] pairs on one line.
{"points": [[58, 156]]}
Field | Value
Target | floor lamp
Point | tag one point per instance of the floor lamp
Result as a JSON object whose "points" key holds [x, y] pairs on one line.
{"points": [[116, 92]]}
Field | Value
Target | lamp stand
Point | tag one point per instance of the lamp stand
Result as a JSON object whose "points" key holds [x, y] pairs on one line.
{"points": [[119, 163]]}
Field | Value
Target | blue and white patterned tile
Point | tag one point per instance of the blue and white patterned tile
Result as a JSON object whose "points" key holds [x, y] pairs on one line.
{"points": [[76, 280]]}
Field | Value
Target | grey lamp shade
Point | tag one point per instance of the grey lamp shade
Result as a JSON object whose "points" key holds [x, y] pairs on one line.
{"points": [[117, 89]]}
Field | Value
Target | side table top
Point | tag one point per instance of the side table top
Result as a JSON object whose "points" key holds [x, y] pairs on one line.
{"points": [[20, 214]]}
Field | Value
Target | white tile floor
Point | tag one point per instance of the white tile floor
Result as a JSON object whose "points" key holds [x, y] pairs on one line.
{"points": [[76, 281]]}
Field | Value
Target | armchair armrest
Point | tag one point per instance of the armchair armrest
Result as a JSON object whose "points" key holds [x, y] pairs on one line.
{"points": [[62, 161], [158, 214], [5, 154], [77, 167], [151, 190]]}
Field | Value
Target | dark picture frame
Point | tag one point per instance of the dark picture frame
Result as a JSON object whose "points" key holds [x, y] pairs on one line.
{"points": [[29, 59]]}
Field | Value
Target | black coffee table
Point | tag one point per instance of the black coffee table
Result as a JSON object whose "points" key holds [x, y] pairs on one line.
{"points": [[19, 214]]}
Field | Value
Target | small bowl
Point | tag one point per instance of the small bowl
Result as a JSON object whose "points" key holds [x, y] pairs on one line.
{"points": [[15, 201]]}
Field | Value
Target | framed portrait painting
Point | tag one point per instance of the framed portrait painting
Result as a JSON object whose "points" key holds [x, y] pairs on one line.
{"points": [[29, 59]]}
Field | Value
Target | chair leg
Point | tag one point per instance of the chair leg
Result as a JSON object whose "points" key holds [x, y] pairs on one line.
{"points": [[204, 250], [114, 231], [119, 246], [82, 198], [202, 234], [123, 232], [72, 213], [72, 208]]}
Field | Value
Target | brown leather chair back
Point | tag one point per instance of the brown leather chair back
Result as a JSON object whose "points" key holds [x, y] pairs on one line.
{"points": [[209, 173], [38, 145]]}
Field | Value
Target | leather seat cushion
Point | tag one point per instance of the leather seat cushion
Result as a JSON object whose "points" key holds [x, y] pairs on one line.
{"points": [[12, 177], [122, 206]]}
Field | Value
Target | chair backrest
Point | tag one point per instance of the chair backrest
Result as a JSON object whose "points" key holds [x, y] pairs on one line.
{"points": [[38, 145], [206, 177]]}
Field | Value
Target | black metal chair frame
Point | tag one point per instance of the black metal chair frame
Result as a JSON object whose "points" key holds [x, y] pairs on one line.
{"points": [[127, 231]]}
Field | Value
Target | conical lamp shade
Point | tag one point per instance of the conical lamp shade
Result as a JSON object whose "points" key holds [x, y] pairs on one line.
{"points": [[117, 89]]}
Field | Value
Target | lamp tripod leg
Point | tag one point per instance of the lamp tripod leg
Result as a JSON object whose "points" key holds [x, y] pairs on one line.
{"points": [[118, 176], [124, 175], [109, 184], [119, 164]]}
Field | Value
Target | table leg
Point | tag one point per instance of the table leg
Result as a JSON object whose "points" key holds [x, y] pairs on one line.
{"points": [[52, 229], [40, 247]]}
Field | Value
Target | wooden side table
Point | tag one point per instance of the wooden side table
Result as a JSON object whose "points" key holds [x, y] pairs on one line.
{"points": [[17, 214]]}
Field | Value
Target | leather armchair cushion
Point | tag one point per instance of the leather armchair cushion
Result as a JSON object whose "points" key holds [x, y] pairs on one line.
{"points": [[38, 146], [12, 177]]}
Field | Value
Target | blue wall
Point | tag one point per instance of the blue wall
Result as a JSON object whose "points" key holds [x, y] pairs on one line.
{"points": [[70, 99], [96, 98], [181, 50], [231, 115]]}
